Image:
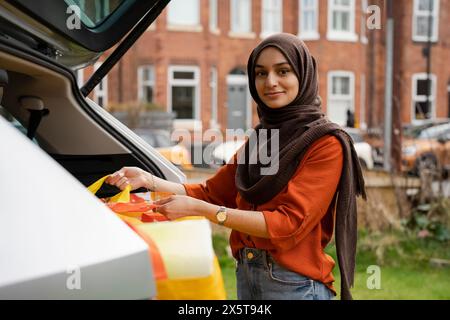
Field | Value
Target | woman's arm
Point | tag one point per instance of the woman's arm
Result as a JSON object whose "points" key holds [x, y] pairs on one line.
{"points": [[249, 222]]}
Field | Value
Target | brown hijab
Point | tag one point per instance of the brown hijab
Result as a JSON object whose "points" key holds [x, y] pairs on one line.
{"points": [[300, 124]]}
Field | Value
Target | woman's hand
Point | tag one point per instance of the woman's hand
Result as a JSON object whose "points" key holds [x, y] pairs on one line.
{"points": [[177, 206], [136, 177]]}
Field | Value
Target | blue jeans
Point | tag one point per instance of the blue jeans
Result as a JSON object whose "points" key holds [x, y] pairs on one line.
{"points": [[259, 277]]}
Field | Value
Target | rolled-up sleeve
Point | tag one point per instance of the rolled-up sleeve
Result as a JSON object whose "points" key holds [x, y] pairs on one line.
{"points": [[219, 189], [308, 195]]}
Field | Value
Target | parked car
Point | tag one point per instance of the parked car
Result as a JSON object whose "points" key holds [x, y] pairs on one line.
{"points": [[51, 226], [362, 148], [426, 146], [225, 151], [171, 150]]}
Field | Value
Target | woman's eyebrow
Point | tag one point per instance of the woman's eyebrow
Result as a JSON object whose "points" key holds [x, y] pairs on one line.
{"points": [[275, 65]]}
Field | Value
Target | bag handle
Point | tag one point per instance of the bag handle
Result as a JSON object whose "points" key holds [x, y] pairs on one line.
{"points": [[123, 196]]}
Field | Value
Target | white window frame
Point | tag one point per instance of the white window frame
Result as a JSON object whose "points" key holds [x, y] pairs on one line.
{"points": [[174, 26], [417, 14], [268, 5], [308, 34], [101, 93], [350, 96], [338, 35], [235, 32], [80, 77], [422, 98], [363, 31], [214, 16], [185, 82], [148, 83], [213, 85]]}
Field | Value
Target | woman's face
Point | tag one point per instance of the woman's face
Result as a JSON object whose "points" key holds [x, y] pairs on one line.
{"points": [[275, 80]]}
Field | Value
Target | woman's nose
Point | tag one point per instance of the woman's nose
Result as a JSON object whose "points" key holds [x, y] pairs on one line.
{"points": [[271, 80]]}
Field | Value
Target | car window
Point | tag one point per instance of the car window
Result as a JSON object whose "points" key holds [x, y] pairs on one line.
{"points": [[163, 141], [94, 13], [357, 138], [434, 132]]}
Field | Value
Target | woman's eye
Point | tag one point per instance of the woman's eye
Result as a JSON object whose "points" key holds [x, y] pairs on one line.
{"points": [[260, 73], [284, 71]]}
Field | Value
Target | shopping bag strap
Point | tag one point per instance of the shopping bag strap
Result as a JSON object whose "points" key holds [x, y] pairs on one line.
{"points": [[123, 196]]}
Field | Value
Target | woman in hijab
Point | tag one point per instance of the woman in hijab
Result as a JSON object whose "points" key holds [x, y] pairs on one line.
{"points": [[281, 218]]}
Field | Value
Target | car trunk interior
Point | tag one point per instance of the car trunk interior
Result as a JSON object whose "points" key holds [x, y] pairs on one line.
{"points": [[68, 133]]}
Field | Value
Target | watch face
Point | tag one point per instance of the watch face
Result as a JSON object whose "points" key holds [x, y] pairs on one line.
{"points": [[221, 216]]}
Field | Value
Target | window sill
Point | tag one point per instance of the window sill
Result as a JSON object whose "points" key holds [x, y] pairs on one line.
{"points": [[242, 35], [182, 28], [266, 34], [215, 31], [342, 36], [424, 39], [309, 36], [187, 124]]}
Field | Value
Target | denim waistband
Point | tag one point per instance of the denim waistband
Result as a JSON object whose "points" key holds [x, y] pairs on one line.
{"points": [[253, 255]]}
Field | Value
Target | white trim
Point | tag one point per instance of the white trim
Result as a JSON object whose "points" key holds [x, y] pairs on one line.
{"points": [[80, 77], [184, 28], [233, 11], [266, 33], [435, 35], [213, 85], [242, 35], [308, 35], [141, 83], [336, 35], [213, 28], [331, 96], [362, 107], [187, 82], [363, 31], [422, 98], [101, 93], [175, 26]]}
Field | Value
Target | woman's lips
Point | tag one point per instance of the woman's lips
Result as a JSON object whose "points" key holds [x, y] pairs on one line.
{"points": [[274, 95]]}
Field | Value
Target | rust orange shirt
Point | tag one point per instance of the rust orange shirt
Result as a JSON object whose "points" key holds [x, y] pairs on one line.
{"points": [[300, 219]]}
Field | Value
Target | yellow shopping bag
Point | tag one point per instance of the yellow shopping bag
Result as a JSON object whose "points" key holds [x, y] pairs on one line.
{"points": [[172, 255]]}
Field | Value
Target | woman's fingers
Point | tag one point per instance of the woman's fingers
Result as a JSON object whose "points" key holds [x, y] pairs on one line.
{"points": [[164, 200], [115, 177]]}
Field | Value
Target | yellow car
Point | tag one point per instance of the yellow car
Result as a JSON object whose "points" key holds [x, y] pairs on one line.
{"points": [[172, 151]]}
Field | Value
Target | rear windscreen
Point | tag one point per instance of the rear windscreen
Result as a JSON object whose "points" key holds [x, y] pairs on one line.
{"points": [[94, 12]]}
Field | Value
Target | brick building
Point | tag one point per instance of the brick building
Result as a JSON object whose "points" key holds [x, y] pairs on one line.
{"points": [[192, 60]]}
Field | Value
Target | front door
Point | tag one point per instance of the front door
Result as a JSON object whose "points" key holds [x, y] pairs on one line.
{"points": [[237, 106]]}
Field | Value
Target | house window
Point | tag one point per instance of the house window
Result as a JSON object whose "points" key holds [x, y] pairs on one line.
{"points": [[341, 93], [213, 17], [184, 97], [241, 16], [101, 90], [146, 84], [426, 14], [309, 19], [184, 13], [213, 87], [341, 20], [420, 90], [271, 17]]}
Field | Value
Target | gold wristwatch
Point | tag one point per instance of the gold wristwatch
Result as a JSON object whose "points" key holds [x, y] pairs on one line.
{"points": [[221, 215]]}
